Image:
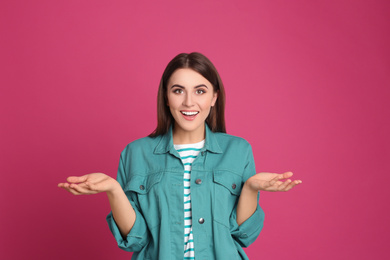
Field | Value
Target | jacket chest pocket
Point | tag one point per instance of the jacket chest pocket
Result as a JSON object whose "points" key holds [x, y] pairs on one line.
{"points": [[227, 189], [144, 192]]}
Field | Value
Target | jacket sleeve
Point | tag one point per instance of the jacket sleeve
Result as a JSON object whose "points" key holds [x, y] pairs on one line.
{"points": [[247, 232], [138, 236]]}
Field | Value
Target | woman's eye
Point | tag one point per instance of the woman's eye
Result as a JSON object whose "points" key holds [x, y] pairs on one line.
{"points": [[178, 91], [200, 91]]}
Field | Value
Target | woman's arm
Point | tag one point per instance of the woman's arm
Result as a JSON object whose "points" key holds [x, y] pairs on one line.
{"points": [[247, 204], [93, 183], [122, 211], [265, 181]]}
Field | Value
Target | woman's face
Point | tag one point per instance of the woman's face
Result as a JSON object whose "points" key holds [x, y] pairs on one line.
{"points": [[190, 98]]}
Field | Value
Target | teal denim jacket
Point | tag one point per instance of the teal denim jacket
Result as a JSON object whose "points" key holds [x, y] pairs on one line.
{"points": [[151, 174]]}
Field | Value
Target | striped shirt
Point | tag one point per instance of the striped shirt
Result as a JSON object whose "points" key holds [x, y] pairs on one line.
{"points": [[188, 153]]}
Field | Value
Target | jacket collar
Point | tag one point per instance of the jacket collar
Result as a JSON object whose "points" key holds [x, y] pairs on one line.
{"points": [[166, 143]]}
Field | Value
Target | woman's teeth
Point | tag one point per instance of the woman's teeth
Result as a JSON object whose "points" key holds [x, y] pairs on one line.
{"points": [[189, 113]]}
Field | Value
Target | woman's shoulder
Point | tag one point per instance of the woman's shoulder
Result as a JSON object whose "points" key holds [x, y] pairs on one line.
{"points": [[142, 144], [228, 140]]}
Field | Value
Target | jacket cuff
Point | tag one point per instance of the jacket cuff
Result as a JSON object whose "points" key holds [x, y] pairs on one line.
{"points": [[137, 237], [248, 231]]}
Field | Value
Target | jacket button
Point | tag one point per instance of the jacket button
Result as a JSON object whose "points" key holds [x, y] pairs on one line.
{"points": [[142, 187], [201, 220], [234, 186], [198, 181], [202, 153]]}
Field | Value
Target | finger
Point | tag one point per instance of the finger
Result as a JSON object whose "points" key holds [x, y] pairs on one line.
{"points": [[64, 185], [274, 180], [82, 189], [284, 185], [292, 185], [74, 192], [77, 179]]}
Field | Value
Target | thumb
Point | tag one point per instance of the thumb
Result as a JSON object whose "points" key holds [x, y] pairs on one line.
{"points": [[77, 179], [287, 175]]}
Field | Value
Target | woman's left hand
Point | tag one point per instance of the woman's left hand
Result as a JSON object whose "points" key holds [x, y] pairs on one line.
{"points": [[267, 181]]}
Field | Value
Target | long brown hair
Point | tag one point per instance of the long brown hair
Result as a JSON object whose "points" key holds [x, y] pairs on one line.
{"points": [[201, 64]]}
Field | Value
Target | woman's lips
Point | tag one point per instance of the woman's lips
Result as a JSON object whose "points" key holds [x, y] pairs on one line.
{"points": [[189, 115]]}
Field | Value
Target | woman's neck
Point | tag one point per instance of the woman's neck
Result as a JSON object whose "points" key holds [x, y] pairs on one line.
{"points": [[181, 136]]}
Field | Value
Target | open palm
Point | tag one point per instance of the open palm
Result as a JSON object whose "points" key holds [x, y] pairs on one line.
{"points": [[267, 181], [89, 184]]}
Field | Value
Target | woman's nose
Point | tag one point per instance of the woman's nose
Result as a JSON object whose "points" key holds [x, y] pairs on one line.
{"points": [[188, 100]]}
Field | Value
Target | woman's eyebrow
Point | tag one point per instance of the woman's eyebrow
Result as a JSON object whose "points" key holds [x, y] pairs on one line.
{"points": [[198, 86], [201, 85]]}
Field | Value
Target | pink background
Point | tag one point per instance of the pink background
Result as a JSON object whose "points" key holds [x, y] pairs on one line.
{"points": [[307, 85]]}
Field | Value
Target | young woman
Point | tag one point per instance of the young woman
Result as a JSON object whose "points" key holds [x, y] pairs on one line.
{"points": [[188, 190]]}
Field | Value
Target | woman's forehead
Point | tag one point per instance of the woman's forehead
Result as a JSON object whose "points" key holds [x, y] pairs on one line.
{"points": [[187, 78]]}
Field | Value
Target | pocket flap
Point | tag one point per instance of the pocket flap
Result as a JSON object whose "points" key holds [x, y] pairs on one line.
{"points": [[142, 184], [229, 180]]}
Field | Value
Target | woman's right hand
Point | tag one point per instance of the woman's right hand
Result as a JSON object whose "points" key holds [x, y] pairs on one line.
{"points": [[90, 184]]}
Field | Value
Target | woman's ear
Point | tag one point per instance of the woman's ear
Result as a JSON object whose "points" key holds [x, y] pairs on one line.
{"points": [[215, 97]]}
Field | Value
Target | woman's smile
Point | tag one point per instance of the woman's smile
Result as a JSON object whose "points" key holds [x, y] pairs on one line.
{"points": [[189, 115]]}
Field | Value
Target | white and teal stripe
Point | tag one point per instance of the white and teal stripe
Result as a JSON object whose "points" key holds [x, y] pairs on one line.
{"points": [[188, 153]]}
